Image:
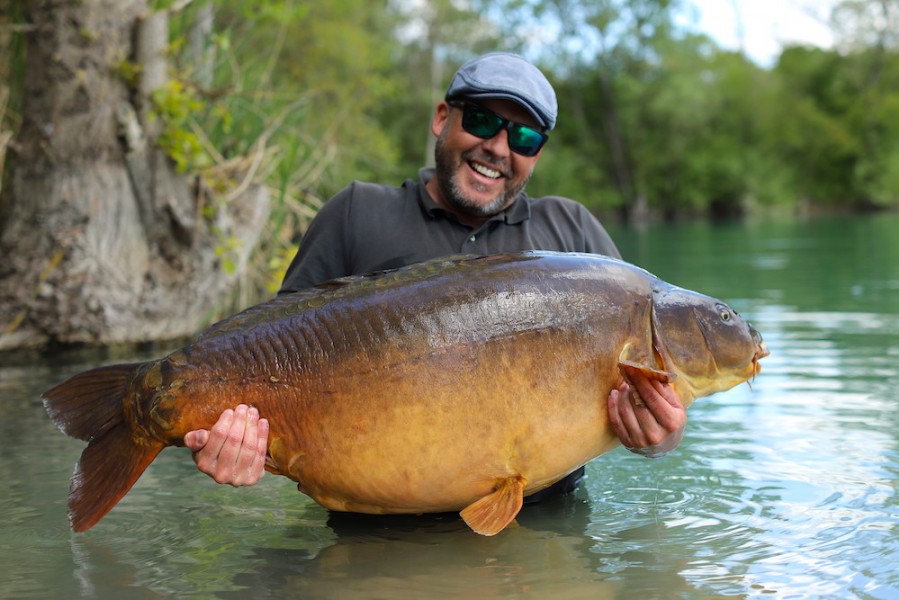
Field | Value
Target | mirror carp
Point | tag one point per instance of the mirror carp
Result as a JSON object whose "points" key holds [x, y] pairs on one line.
{"points": [[459, 384]]}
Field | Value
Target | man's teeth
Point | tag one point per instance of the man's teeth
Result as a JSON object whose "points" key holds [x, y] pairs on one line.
{"points": [[491, 173]]}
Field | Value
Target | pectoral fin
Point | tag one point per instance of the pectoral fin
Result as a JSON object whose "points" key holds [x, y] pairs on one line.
{"points": [[629, 369], [493, 513]]}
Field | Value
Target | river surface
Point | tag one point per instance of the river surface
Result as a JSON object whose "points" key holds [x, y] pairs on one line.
{"points": [[785, 489]]}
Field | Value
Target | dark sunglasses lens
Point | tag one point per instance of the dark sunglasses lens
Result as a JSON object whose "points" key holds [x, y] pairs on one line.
{"points": [[485, 123], [481, 122], [526, 141]]}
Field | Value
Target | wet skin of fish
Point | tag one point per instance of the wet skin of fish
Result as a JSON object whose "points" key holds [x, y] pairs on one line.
{"points": [[459, 384]]}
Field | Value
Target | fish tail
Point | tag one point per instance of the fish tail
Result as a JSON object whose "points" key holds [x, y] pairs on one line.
{"points": [[108, 467], [89, 406]]}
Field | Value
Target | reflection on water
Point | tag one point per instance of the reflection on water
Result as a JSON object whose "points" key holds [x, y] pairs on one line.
{"points": [[785, 488]]}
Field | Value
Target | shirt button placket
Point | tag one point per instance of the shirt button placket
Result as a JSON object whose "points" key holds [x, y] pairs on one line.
{"points": [[467, 243]]}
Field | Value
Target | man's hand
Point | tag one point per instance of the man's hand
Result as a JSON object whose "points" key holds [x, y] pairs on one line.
{"points": [[650, 422], [233, 452]]}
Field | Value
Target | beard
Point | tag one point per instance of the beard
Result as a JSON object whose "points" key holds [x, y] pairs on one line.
{"points": [[448, 180]]}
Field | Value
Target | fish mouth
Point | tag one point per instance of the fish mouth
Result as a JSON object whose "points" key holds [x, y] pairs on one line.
{"points": [[761, 352]]}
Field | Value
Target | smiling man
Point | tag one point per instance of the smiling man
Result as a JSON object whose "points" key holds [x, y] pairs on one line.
{"points": [[491, 129], [484, 180]]}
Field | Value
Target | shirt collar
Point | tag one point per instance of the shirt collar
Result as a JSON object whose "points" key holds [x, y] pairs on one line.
{"points": [[519, 212]]}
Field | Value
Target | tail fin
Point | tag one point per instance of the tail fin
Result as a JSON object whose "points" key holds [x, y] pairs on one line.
{"points": [[89, 406], [108, 468], [86, 405]]}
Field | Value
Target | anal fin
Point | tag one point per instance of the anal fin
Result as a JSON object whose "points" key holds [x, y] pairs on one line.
{"points": [[493, 513]]}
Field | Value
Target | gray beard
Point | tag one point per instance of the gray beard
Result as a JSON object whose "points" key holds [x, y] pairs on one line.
{"points": [[452, 192]]}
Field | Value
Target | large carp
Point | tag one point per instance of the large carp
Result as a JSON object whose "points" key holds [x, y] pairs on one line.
{"points": [[457, 384]]}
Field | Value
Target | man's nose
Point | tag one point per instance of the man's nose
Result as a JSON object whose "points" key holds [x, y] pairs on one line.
{"points": [[498, 144]]}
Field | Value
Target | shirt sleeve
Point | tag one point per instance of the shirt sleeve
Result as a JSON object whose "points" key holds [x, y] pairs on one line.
{"points": [[324, 247], [596, 239]]}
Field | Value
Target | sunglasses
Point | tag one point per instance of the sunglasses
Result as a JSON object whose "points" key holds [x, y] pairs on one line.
{"points": [[484, 123]]}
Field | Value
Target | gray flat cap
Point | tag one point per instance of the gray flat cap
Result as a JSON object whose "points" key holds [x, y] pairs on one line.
{"points": [[506, 76]]}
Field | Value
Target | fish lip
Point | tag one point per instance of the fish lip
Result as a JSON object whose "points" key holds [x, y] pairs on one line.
{"points": [[761, 348], [761, 352]]}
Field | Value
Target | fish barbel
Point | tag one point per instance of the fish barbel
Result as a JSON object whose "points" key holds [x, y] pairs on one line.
{"points": [[459, 384]]}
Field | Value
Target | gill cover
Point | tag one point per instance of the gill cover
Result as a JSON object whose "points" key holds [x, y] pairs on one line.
{"points": [[703, 339]]}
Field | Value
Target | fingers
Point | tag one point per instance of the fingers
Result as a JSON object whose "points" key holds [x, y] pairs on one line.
{"points": [[258, 465], [621, 416], [647, 415], [663, 405], [632, 422], [234, 451], [249, 465], [195, 440]]}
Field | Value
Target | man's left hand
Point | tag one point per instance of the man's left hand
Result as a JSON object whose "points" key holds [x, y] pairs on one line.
{"points": [[650, 422]]}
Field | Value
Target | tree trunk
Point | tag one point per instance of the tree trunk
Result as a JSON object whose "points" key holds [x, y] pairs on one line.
{"points": [[618, 147], [102, 241]]}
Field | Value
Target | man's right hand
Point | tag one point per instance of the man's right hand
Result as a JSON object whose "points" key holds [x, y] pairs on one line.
{"points": [[233, 451]]}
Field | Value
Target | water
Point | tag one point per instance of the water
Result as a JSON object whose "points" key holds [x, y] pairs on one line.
{"points": [[787, 489]]}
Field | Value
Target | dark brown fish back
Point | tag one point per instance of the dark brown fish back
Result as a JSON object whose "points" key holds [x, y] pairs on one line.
{"points": [[446, 301]]}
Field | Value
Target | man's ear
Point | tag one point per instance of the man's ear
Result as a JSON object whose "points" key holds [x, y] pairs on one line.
{"points": [[441, 118]]}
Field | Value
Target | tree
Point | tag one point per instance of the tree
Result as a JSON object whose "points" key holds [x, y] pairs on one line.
{"points": [[866, 33], [104, 240], [601, 54]]}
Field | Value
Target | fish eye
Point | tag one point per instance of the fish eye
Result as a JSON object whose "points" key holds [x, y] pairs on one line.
{"points": [[725, 313]]}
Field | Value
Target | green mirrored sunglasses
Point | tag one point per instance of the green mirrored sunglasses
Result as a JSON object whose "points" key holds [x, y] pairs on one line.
{"points": [[484, 123]]}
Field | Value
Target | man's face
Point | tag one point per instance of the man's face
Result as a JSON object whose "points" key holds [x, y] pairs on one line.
{"points": [[474, 176]]}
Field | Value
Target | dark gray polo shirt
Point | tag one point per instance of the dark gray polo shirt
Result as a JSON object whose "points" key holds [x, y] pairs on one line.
{"points": [[367, 227]]}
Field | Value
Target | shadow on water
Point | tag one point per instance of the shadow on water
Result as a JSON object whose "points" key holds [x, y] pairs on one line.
{"points": [[330, 555], [428, 556]]}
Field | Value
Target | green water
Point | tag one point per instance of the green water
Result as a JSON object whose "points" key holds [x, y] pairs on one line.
{"points": [[787, 489]]}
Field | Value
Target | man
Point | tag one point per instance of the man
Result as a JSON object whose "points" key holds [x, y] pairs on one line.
{"points": [[490, 131]]}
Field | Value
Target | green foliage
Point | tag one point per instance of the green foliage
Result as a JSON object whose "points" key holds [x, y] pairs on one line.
{"points": [[565, 171], [295, 101], [646, 110], [226, 250], [129, 72], [175, 104], [305, 97], [672, 118]]}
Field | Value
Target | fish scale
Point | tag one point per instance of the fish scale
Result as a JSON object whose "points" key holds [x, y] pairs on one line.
{"points": [[461, 384]]}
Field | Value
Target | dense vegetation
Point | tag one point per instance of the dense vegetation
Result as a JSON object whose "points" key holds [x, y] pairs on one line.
{"points": [[653, 117]]}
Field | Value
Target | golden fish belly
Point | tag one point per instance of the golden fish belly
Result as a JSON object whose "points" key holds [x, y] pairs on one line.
{"points": [[439, 431]]}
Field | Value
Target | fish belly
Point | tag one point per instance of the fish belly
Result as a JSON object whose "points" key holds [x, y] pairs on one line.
{"points": [[436, 433]]}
